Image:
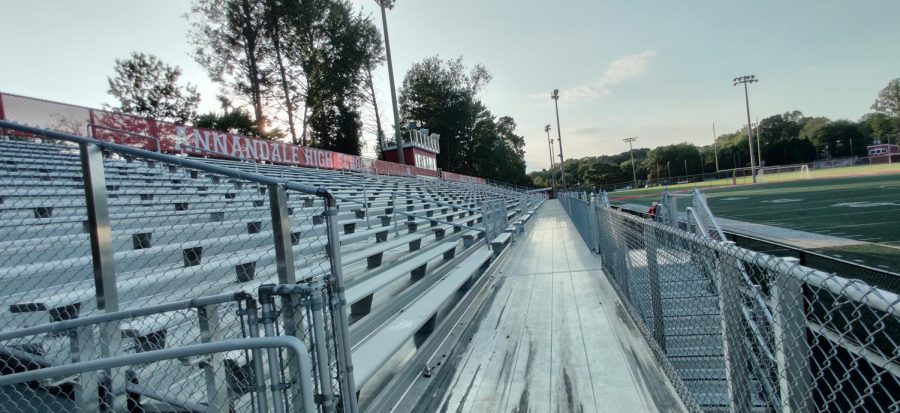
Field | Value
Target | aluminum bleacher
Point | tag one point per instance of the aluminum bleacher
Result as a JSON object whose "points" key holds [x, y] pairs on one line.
{"points": [[158, 252]]}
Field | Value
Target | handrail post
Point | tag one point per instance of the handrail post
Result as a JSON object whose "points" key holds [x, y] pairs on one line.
{"points": [[104, 268], [791, 347], [284, 258], [733, 337], [339, 310]]}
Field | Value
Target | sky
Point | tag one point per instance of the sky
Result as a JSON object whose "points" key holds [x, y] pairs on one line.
{"points": [[657, 70]]}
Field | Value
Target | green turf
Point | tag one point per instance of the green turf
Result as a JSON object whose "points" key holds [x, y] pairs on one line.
{"points": [[863, 208], [773, 178]]}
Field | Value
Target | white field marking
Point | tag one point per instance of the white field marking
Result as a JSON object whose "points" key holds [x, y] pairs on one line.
{"points": [[860, 261], [782, 201], [806, 212], [864, 204], [735, 198]]}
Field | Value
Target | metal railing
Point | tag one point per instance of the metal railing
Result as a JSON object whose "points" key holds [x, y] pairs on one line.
{"points": [[740, 330], [87, 239]]}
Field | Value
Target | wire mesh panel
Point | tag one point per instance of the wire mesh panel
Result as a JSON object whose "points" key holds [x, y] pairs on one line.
{"points": [[110, 233], [740, 330], [206, 377]]}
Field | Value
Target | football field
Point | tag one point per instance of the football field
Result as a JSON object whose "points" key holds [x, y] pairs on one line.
{"points": [[862, 208]]}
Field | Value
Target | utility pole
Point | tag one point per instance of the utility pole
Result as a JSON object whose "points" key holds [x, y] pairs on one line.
{"points": [[716, 146], [384, 5], [745, 80], [631, 152], [562, 160], [550, 146]]}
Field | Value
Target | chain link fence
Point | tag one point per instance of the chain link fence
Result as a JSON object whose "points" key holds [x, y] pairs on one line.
{"points": [[95, 234], [738, 330]]}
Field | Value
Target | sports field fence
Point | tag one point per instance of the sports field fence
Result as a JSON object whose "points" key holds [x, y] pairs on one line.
{"points": [[742, 330], [833, 168]]}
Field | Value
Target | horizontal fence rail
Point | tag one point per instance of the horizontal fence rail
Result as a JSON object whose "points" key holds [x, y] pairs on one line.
{"points": [[741, 330]]}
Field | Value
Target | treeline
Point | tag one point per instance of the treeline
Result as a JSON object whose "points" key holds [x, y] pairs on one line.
{"points": [[443, 95], [302, 70], [788, 138]]}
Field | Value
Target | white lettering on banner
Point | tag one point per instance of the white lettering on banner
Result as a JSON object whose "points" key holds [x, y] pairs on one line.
{"points": [[308, 157], [250, 148], [295, 158], [201, 139], [180, 137], [264, 150], [276, 153], [221, 142], [236, 146], [323, 158]]}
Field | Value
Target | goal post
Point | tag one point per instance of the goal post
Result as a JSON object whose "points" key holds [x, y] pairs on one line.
{"points": [[783, 173]]}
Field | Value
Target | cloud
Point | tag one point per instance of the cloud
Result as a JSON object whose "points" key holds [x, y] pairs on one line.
{"points": [[618, 71]]}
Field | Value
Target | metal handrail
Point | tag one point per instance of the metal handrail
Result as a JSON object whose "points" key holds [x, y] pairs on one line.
{"points": [[122, 315], [301, 354], [92, 126], [168, 159]]}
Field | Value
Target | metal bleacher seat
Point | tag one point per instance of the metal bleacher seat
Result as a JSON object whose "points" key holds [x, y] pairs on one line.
{"points": [[179, 233]]}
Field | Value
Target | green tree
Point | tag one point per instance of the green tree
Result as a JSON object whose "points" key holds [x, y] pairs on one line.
{"points": [[888, 101], [338, 46], [442, 95], [145, 86], [229, 41], [233, 121], [881, 127], [836, 138]]}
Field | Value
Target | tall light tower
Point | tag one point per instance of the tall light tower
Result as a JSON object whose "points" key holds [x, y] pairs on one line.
{"points": [[745, 80], [631, 152], [716, 147], [385, 5], [550, 146], [562, 160]]}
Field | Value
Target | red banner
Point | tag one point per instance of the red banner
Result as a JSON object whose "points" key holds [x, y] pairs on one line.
{"points": [[450, 176], [151, 134]]}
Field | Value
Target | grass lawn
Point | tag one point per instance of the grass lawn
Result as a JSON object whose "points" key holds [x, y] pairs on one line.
{"points": [[863, 208]]}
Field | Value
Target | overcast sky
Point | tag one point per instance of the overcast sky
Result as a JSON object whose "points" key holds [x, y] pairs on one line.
{"points": [[659, 70]]}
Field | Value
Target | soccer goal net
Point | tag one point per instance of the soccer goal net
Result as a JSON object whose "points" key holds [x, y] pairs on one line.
{"points": [[783, 173]]}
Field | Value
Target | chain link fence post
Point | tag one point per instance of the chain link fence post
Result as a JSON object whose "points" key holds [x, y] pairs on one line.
{"points": [[791, 347], [104, 270], [733, 334], [339, 311], [658, 327], [284, 258]]}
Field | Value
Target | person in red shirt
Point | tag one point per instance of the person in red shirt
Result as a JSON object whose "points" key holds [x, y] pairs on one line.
{"points": [[652, 211]]}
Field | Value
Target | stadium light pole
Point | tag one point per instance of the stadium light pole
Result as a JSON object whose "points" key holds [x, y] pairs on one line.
{"points": [[744, 80], [398, 136], [631, 152], [550, 146], [562, 160], [758, 140], [716, 146]]}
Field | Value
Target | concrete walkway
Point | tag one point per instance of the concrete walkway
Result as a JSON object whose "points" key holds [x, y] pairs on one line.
{"points": [[556, 338]]}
